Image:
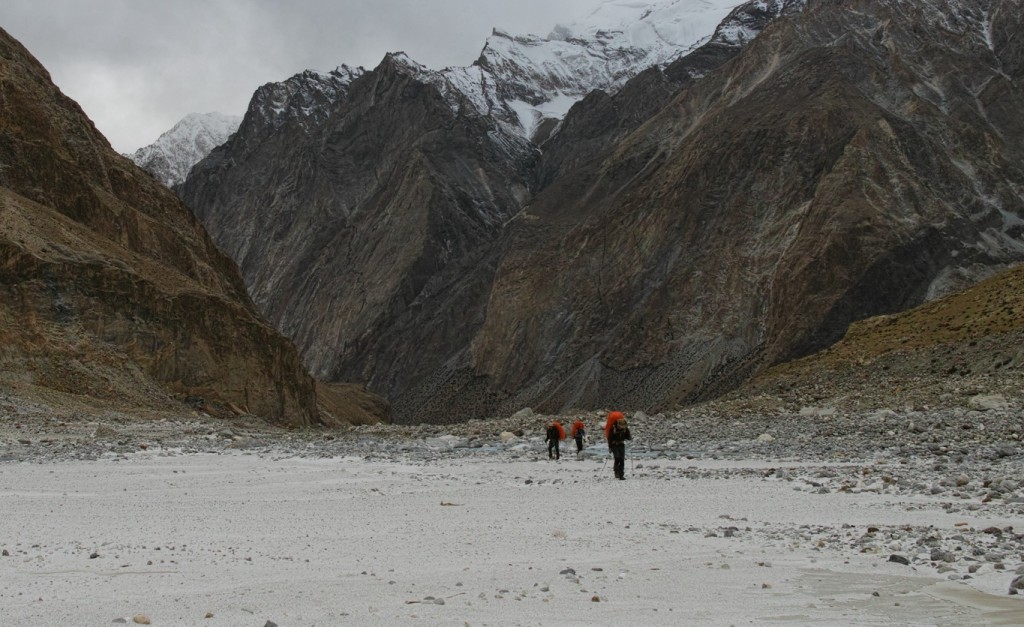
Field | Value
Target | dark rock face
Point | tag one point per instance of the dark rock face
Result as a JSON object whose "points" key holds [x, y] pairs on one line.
{"points": [[109, 287], [738, 209], [594, 126], [827, 173], [354, 230]]}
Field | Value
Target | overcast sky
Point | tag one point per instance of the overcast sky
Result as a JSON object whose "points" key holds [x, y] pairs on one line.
{"points": [[139, 66]]}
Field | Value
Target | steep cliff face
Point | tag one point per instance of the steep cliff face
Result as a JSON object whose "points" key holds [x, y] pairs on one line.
{"points": [[830, 172], [109, 287], [350, 227]]}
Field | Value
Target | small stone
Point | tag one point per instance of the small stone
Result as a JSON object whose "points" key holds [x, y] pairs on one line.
{"points": [[270, 623], [5, 553], [899, 559], [875, 594], [595, 599], [988, 402], [438, 601], [209, 615], [104, 431], [140, 619], [1017, 583], [93, 556]]}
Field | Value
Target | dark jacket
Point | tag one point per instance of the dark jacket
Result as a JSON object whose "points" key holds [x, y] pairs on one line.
{"points": [[619, 433]]}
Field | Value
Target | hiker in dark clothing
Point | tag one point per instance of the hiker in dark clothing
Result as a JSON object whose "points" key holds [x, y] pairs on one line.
{"points": [[616, 430], [555, 434], [578, 431]]}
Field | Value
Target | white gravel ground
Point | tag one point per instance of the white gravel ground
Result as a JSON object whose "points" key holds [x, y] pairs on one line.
{"points": [[256, 538]]}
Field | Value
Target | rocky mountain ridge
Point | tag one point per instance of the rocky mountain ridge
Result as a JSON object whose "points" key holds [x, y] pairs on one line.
{"points": [[525, 82], [529, 83], [734, 209], [375, 205], [745, 223]]}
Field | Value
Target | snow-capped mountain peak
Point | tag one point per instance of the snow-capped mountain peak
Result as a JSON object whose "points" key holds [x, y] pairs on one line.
{"points": [[525, 83], [174, 153], [304, 95], [667, 25], [527, 80]]}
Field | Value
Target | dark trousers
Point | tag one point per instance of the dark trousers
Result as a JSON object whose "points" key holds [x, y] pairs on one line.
{"points": [[553, 446], [579, 443], [619, 452]]}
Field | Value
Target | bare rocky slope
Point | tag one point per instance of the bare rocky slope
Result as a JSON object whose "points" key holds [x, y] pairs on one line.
{"points": [[965, 344], [112, 295], [354, 221], [737, 209], [827, 173]]}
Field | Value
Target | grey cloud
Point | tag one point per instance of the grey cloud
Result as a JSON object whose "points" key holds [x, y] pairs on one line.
{"points": [[138, 66]]}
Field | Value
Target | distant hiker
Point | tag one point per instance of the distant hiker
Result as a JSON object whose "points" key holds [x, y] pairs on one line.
{"points": [[555, 434], [616, 431], [577, 434]]}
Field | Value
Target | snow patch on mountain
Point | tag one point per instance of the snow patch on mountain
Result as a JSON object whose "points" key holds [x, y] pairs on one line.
{"points": [[303, 96], [525, 80], [173, 154], [526, 83], [743, 25]]}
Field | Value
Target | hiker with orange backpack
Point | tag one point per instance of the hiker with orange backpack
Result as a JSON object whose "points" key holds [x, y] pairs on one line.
{"points": [[616, 431], [578, 432], [555, 434]]}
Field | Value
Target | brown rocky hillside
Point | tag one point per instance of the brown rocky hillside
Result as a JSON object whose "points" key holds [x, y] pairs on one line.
{"points": [[111, 293], [967, 343]]}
